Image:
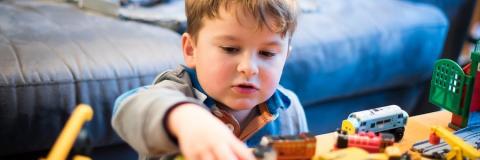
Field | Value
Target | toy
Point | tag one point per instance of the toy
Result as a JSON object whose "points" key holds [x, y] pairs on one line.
{"points": [[263, 152], [469, 135], [391, 119], [297, 147], [458, 148], [353, 153], [64, 143], [292, 147], [368, 141], [457, 90]]}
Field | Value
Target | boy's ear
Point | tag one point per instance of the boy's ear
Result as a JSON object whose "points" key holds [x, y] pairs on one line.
{"points": [[188, 48]]}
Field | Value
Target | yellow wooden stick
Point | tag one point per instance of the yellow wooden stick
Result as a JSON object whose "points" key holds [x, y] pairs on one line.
{"points": [[64, 143]]}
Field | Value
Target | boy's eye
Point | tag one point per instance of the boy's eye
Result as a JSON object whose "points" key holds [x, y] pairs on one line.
{"points": [[230, 49], [267, 54]]}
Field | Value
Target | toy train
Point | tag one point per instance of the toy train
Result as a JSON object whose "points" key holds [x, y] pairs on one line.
{"points": [[299, 147], [391, 119], [368, 141]]}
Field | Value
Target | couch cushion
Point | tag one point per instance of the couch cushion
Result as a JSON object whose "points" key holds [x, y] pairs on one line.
{"points": [[348, 47], [450, 8], [54, 56]]}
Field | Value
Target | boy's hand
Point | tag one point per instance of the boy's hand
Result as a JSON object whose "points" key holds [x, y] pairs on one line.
{"points": [[202, 136]]}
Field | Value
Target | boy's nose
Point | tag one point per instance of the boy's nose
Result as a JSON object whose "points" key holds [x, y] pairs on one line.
{"points": [[248, 66]]}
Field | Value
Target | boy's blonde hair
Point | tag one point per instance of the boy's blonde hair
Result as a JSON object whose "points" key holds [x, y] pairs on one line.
{"points": [[279, 16]]}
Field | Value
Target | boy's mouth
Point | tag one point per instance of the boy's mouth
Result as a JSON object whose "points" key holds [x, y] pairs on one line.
{"points": [[245, 88]]}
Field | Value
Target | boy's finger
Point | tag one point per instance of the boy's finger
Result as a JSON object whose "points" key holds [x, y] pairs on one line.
{"points": [[190, 156], [241, 150], [224, 152], [207, 156]]}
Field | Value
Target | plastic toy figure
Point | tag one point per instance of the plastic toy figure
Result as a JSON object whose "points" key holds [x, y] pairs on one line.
{"points": [[457, 90], [391, 119]]}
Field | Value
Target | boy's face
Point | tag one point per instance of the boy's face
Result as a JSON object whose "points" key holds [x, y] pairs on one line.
{"points": [[236, 64]]}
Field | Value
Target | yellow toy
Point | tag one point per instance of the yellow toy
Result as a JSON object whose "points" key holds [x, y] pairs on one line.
{"points": [[64, 143], [391, 152], [459, 148]]}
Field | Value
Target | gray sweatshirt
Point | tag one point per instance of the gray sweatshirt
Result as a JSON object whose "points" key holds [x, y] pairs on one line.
{"points": [[139, 114]]}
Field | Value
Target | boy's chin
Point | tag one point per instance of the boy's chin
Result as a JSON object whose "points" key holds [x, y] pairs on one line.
{"points": [[242, 105]]}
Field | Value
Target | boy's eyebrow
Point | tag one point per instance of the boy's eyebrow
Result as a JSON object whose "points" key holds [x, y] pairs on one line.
{"points": [[273, 43], [232, 38], [226, 37]]}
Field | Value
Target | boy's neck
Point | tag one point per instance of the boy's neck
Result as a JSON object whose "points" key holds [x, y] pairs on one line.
{"points": [[240, 115]]}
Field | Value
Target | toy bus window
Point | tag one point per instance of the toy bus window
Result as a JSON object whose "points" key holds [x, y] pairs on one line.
{"points": [[363, 124], [372, 125], [400, 115], [352, 116], [379, 122], [387, 121]]}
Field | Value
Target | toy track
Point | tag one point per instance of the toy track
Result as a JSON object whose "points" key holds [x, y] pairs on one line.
{"points": [[471, 135]]}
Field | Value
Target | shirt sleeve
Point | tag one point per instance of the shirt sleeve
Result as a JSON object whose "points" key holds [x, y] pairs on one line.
{"points": [[139, 114]]}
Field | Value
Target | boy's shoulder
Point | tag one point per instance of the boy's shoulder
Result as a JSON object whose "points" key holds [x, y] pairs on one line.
{"points": [[179, 79], [178, 75]]}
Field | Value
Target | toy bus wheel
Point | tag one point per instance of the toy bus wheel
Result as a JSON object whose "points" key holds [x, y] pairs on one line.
{"points": [[398, 133], [342, 141]]}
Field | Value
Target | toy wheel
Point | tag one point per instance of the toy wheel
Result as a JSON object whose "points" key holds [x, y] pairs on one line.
{"points": [[398, 133], [342, 141]]}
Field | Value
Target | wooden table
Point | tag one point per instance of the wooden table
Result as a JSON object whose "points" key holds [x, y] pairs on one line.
{"points": [[418, 128]]}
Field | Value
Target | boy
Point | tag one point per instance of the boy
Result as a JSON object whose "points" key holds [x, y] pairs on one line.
{"points": [[235, 51]]}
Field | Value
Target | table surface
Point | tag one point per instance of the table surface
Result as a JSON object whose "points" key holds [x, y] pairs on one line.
{"points": [[417, 128]]}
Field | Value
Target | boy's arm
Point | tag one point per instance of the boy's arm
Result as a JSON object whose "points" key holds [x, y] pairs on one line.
{"points": [[139, 117]]}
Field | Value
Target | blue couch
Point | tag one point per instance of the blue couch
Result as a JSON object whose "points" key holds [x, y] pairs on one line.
{"points": [[355, 55], [347, 56]]}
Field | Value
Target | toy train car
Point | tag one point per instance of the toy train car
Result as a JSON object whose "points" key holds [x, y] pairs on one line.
{"points": [[299, 147], [391, 119], [368, 141]]}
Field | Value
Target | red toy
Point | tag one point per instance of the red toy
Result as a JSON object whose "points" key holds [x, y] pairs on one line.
{"points": [[367, 141]]}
